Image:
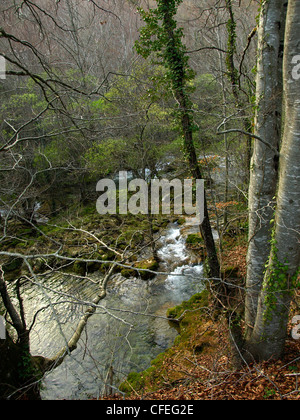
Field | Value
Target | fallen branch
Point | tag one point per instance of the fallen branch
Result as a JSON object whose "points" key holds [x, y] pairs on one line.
{"points": [[58, 359]]}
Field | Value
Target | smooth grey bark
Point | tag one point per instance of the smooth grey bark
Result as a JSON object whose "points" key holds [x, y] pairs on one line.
{"points": [[269, 334], [264, 164]]}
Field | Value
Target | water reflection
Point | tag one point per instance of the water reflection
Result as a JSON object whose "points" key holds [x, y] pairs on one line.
{"points": [[128, 330]]}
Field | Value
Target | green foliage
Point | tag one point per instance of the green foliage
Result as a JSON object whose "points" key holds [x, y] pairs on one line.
{"points": [[52, 152], [136, 104], [104, 157], [26, 368], [162, 37], [17, 102]]}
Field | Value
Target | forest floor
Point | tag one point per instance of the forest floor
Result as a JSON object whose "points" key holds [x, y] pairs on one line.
{"points": [[211, 377], [199, 365]]}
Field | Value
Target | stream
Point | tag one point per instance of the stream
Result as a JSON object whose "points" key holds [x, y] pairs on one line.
{"points": [[127, 331]]}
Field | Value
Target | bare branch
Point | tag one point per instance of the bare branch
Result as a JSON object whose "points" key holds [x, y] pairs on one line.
{"points": [[246, 133]]}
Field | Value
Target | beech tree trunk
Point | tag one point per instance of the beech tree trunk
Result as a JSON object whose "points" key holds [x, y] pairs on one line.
{"points": [[264, 164], [270, 329]]}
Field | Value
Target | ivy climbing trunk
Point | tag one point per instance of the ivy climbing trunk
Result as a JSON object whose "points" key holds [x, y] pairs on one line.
{"points": [[264, 165], [205, 227], [281, 277], [18, 372], [162, 36]]}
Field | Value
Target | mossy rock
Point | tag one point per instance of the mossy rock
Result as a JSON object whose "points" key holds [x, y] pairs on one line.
{"points": [[181, 221], [14, 264], [198, 300], [108, 256], [194, 239], [134, 381], [12, 268], [151, 265], [127, 273], [92, 267], [155, 229], [151, 378], [79, 267]]}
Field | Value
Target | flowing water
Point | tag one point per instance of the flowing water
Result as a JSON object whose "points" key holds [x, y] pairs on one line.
{"points": [[127, 331]]}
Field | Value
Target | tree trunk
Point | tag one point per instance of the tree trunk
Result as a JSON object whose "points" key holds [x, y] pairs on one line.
{"points": [[233, 75], [17, 368], [269, 334], [264, 165], [167, 45], [175, 63], [205, 228]]}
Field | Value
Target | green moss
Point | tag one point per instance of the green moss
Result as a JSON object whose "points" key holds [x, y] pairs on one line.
{"points": [[92, 267], [134, 381], [155, 229], [127, 273], [181, 221], [79, 267], [194, 239], [151, 265], [137, 381], [26, 232], [198, 300], [14, 264], [151, 378]]}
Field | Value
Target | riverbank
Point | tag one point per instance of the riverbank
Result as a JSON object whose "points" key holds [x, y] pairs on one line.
{"points": [[130, 326], [199, 365], [78, 234], [182, 374], [165, 324]]}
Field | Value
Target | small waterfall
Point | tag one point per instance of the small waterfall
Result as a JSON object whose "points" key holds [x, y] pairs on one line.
{"points": [[175, 255]]}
